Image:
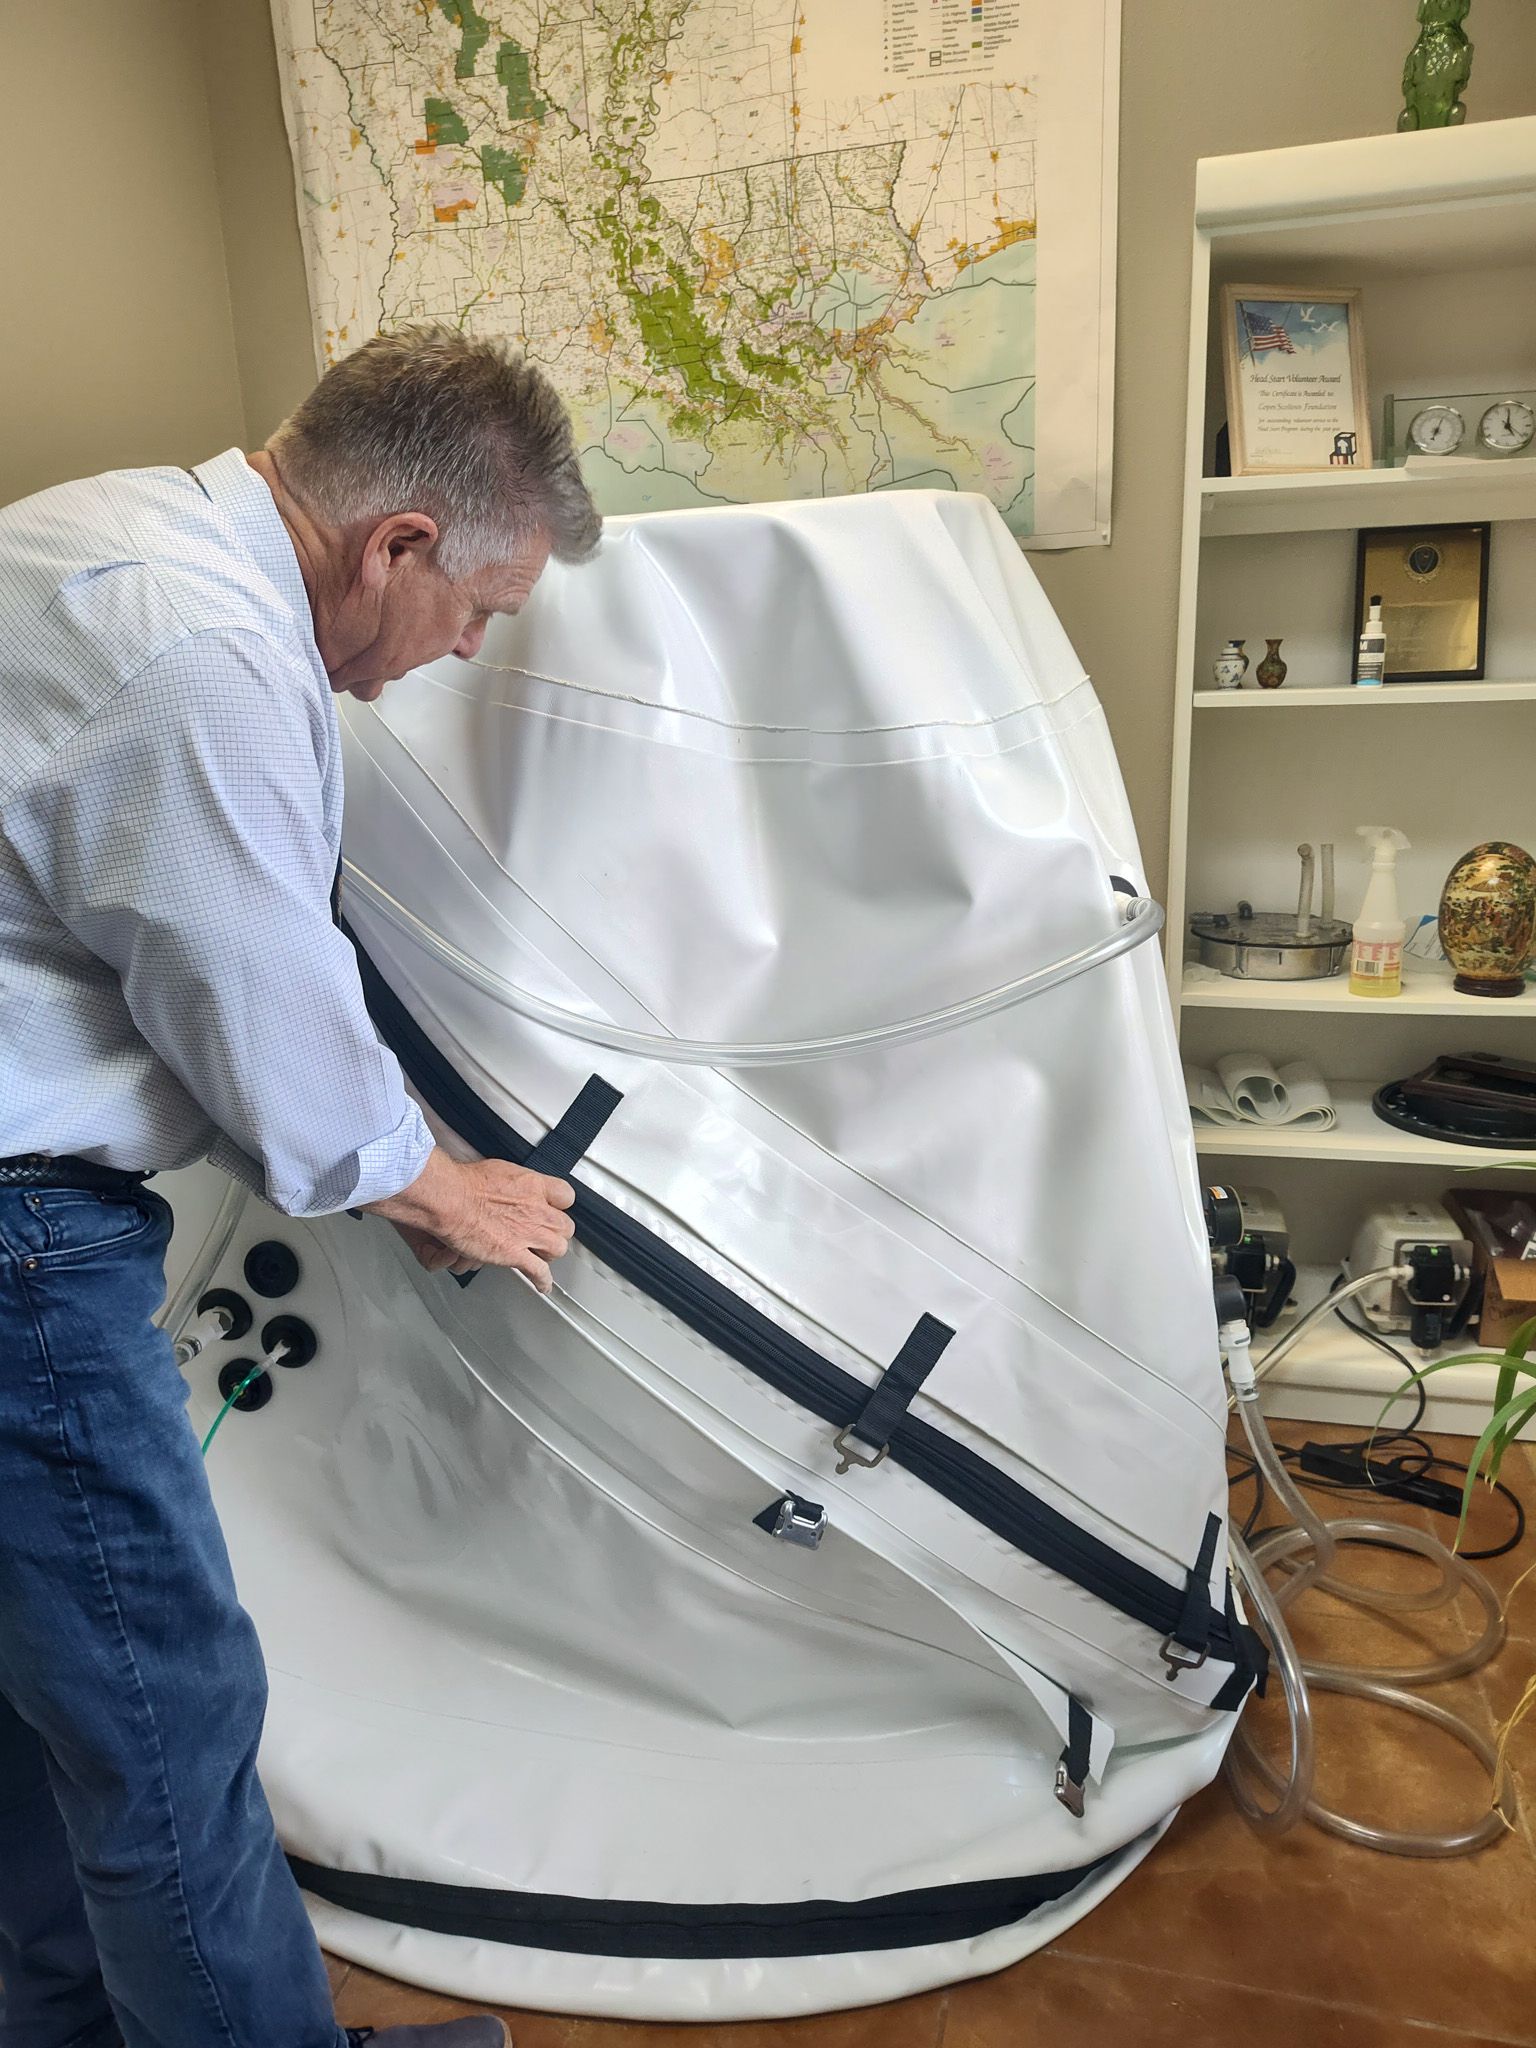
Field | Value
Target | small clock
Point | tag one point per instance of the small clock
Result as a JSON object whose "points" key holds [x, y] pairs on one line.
{"points": [[1474, 426], [1437, 430], [1508, 426]]}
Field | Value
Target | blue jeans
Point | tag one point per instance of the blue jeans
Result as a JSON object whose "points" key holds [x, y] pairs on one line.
{"points": [[144, 1902]]}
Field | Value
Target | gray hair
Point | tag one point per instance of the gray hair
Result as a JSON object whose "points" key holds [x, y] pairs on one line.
{"points": [[426, 419]]}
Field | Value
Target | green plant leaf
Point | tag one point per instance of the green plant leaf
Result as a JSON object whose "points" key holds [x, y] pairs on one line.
{"points": [[1503, 1427], [1507, 1362], [1504, 1386]]}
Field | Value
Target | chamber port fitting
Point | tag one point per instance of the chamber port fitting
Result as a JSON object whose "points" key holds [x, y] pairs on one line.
{"points": [[256, 1395], [286, 1341], [271, 1269], [289, 1341], [222, 1317]]}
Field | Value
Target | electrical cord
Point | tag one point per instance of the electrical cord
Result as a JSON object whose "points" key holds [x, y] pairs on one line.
{"points": [[1409, 1474]]}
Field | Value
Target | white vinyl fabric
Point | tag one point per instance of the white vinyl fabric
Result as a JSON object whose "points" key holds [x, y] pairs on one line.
{"points": [[753, 776]]}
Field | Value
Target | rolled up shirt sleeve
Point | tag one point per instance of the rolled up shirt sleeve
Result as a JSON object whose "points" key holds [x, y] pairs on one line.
{"points": [[182, 837]]}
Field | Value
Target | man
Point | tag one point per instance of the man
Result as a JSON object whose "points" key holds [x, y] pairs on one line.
{"points": [[172, 985]]}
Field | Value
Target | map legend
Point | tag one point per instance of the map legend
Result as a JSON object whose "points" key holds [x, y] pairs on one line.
{"points": [[945, 39]]}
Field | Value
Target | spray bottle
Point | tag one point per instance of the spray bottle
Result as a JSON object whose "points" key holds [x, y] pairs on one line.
{"points": [[1376, 959]]}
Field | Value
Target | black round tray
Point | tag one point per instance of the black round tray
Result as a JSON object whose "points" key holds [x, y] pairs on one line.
{"points": [[1472, 1127]]}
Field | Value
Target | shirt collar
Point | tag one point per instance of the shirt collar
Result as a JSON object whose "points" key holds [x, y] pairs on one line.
{"points": [[245, 503]]}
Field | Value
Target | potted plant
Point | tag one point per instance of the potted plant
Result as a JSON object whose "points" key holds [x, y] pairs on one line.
{"points": [[1514, 1404]]}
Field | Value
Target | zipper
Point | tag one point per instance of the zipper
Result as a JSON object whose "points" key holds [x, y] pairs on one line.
{"points": [[655, 1929], [956, 1472]]}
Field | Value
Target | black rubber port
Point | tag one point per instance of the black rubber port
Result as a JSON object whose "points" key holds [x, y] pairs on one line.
{"points": [[256, 1395], [271, 1269], [297, 1338], [237, 1310]]}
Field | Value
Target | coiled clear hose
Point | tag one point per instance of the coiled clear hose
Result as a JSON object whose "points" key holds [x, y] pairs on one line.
{"points": [[1306, 1550]]}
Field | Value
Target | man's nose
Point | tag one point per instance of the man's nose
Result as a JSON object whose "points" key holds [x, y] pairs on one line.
{"points": [[471, 640]]}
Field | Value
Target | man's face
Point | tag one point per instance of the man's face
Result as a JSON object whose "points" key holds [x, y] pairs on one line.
{"points": [[402, 611]]}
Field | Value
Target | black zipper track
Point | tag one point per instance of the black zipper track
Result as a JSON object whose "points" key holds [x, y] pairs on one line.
{"points": [[638, 1927], [952, 1469]]}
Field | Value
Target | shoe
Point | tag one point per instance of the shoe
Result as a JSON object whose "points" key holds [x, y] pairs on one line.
{"points": [[481, 2032]]}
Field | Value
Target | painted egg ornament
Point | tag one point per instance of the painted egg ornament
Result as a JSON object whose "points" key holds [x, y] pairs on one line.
{"points": [[1488, 918]]}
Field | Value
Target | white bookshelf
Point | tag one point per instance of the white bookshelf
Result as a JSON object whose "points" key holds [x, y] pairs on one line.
{"points": [[1427, 992], [1412, 496], [1359, 1135], [1337, 696], [1439, 231]]}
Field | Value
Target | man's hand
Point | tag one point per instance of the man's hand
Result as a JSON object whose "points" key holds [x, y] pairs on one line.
{"points": [[432, 1253], [483, 1213]]}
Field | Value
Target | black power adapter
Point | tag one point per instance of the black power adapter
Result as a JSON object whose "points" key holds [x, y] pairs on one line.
{"points": [[1350, 1465]]}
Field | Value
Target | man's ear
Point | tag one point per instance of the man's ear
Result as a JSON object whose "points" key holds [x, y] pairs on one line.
{"points": [[402, 541]]}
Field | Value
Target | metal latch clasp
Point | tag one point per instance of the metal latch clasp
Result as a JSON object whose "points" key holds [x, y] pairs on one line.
{"points": [[1069, 1791], [800, 1521]]}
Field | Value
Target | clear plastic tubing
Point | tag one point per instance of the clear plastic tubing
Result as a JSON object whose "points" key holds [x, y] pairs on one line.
{"points": [[1305, 1551], [173, 1317], [1141, 920]]}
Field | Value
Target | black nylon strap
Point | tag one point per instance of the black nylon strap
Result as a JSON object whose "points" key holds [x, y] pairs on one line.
{"points": [[1251, 1670], [1193, 1631], [558, 1151], [1078, 1754], [565, 1142], [878, 1418]]}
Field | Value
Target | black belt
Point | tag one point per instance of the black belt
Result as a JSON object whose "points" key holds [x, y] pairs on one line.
{"points": [[39, 1170]]}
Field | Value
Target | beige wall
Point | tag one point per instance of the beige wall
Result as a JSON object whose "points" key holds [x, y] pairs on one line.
{"points": [[135, 358], [267, 288], [116, 345]]}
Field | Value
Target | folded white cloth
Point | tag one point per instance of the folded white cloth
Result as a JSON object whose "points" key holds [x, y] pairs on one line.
{"points": [[1247, 1089]]}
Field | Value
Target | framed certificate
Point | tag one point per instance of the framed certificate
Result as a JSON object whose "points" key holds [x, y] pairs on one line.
{"points": [[1295, 376]]}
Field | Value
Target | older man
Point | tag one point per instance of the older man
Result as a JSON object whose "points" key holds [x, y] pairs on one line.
{"points": [[172, 985]]}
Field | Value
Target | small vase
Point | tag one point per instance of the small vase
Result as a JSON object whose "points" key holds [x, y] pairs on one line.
{"points": [[1488, 918], [1230, 666], [1271, 671]]}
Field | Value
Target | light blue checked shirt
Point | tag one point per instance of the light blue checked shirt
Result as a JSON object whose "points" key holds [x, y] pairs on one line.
{"points": [[171, 983]]}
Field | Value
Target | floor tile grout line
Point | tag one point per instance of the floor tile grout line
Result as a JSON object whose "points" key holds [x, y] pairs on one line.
{"points": [[1259, 1991]]}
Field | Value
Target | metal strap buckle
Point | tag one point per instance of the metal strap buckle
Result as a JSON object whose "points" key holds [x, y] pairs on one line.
{"points": [[802, 1522], [1178, 1658], [1068, 1791], [851, 1454]]}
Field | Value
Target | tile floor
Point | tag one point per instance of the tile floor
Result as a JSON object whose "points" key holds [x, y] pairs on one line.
{"points": [[1221, 1937]]}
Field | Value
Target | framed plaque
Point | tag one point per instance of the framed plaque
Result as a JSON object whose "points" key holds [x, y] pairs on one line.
{"points": [[1433, 586], [1295, 377]]}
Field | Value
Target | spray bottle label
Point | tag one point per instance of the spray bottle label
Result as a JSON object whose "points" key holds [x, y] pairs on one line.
{"points": [[1376, 967]]}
